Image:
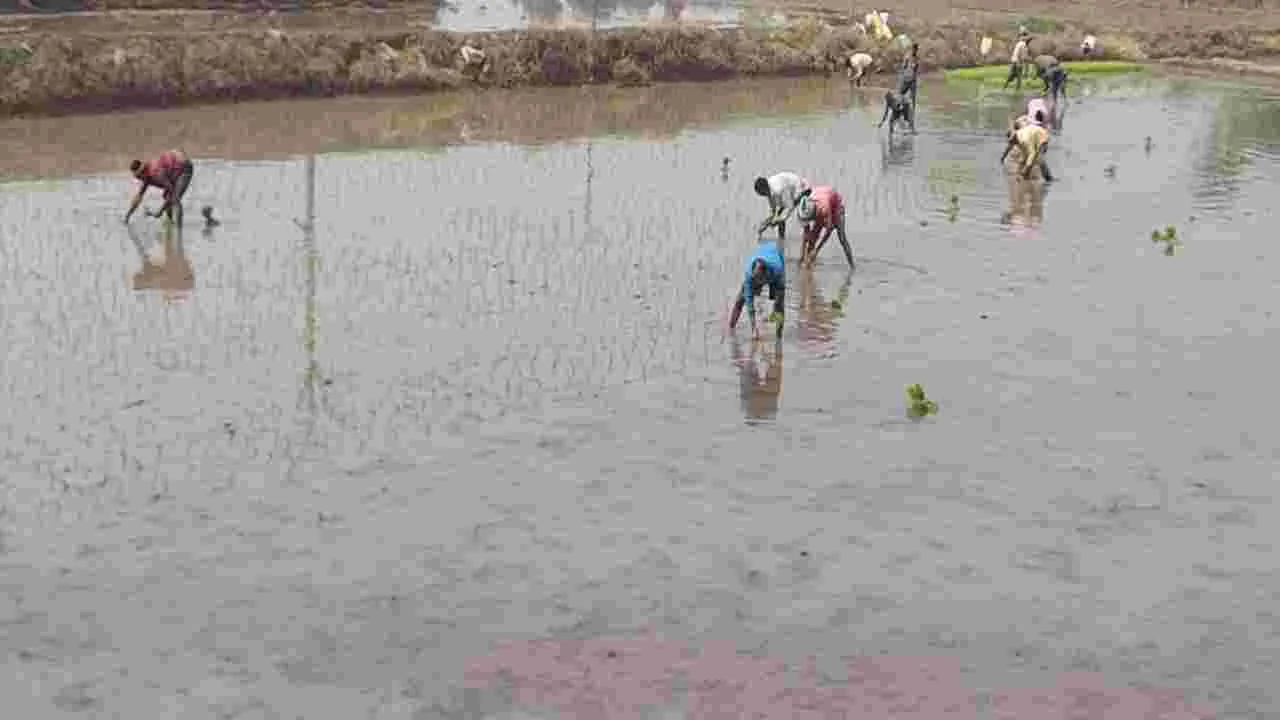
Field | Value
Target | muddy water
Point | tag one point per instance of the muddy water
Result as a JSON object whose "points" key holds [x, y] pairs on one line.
{"points": [[490, 399]]}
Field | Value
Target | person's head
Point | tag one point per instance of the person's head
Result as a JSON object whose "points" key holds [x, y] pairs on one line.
{"points": [[135, 168], [1040, 116], [758, 272], [762, 187]]}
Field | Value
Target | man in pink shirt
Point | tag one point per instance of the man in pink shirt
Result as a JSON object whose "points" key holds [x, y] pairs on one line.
{"points": [[822, 211]]}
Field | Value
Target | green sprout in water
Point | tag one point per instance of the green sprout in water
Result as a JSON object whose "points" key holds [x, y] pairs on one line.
{"points": [[837, 305], [953, 208], [918, 405], [1168, 236]]}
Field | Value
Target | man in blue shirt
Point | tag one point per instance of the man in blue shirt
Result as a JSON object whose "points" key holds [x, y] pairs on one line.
{"points": [[764, 267]]}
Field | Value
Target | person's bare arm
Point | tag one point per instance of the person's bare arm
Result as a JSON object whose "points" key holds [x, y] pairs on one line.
{"points": [[1008, 147], [137, 200], [885, 116]]}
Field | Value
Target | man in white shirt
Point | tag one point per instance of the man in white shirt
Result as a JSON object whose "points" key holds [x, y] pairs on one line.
{"points": [[1017, 61], [784, 191]]}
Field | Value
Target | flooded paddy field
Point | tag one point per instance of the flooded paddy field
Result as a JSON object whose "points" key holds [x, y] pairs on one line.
{"points": [[265, 474]]}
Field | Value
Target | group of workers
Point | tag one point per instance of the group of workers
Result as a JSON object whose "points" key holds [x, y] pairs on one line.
{"points": [[821, 209], [821, 212]]}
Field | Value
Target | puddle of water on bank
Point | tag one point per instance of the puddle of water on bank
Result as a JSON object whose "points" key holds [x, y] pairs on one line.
{"points": [[463, 424]]}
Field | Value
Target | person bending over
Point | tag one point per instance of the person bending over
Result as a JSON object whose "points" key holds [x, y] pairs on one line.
{"points": [[765, 268], [171, 172]]}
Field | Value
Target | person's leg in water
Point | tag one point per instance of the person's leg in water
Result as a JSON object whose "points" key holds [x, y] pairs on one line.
{"points": [[837, 226], [1044, 168], [180, 187]]}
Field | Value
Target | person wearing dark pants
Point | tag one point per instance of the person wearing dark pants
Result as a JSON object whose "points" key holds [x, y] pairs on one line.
{"points": [[1017, 61], [171, 172]]}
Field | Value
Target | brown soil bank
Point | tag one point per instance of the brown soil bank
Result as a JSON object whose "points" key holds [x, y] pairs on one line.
{"points": [[52, 73]]}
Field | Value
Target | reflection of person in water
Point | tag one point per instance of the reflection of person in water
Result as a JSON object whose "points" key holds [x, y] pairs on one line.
{"points": [[1026, 206], [172, 274], [761, 387], [816, 326]]}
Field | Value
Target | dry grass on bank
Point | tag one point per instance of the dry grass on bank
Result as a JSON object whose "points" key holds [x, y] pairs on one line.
{"points": [[85, 72]]}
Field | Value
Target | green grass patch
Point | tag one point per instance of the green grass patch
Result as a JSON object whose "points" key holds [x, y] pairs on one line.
{"points": [[998, 73], [1035, 24]]}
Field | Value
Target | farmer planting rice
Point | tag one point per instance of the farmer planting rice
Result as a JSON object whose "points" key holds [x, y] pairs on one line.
{"points": [[856, 66], [1031, 140], [765, 267], [1055, 81], [822, 211], [1039, 112], [783, 191], [171, 172], [897, 109]]}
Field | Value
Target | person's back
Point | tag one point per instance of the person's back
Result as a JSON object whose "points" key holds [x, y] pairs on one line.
{"points": [[1032, 140], [1045, 62], [826, 205], [1038, 110], [771, 254], [785, 188]]}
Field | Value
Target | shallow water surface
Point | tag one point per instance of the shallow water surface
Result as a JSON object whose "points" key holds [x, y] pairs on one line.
{"points": [[271, 473]]}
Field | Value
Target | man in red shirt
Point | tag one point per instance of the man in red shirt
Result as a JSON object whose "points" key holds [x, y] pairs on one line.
{"points": [[822, 213], [171, 172]]}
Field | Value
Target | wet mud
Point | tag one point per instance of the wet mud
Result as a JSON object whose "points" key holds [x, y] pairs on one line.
{"points": [[475, 443]]}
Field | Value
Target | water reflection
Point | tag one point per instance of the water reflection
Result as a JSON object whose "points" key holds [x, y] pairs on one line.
{"points": [[759, 378], [818, 318], [1026, 205], [311, 316], [172, 274], [1240, 122], [896, 152]]}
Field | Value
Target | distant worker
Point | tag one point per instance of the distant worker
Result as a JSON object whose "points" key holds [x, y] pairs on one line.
{"points": [[474, 61], [765, 268], [856, 66], [897, 109], [909, 77], [784, 191], [1018, 59], [822, 212], [1054, 78], [171, 172], [1089, 46]]}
